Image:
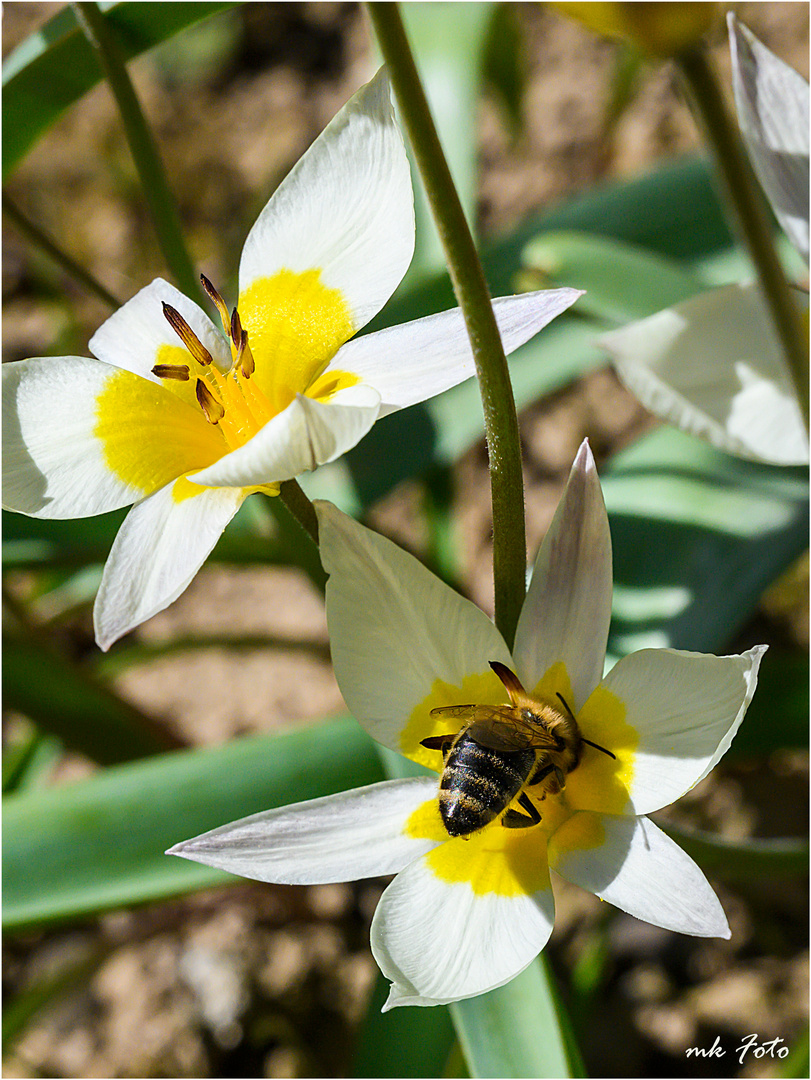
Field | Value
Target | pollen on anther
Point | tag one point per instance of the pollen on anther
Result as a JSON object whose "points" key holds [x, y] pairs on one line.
{"points": [[187, 335], [213, 410], [236, 329], [244, 359], [180, 372], [218, 301]]}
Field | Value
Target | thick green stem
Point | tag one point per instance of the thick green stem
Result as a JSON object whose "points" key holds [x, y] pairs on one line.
{"points": [[753, 223], [35, 235], [500, 420], [142, 147]]}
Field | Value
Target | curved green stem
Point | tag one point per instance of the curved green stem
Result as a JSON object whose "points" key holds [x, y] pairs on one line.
{"points": [[35, 235], [742, 190], [500, 420], [142, 147]]}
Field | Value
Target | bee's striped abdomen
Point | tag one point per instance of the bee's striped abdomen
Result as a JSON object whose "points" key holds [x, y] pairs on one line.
{"points": [[478, 783]]}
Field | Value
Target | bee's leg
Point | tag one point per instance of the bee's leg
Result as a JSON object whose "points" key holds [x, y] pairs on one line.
{"points": [[438, 742], [542, 774], [513, 820]]}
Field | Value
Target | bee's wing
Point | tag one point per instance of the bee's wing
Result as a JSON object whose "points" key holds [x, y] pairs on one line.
{"points": [[506, 729], [459, 712]]}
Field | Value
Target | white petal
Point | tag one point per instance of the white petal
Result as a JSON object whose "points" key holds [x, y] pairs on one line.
{"points": [[639, 869], [713, 366], [568, 607], [394, 627], [356, 834], [439, 941], [308, 433], [132, 337], [346, 208], [686, 708], [417, 360], [772, 102], [161, 545], [53, 464]]}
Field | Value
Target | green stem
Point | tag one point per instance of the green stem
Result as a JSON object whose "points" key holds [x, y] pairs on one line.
{"points": [[300, 512], [539, 1049], [742, 190], [500, 420], [35, 235], [142, 146], [293, 497]]}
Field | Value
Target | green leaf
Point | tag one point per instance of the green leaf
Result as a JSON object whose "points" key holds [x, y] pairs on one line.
{"points": [[439, 431], [98, 844], [778, 715], [55, 66], [402, 1042], [505, 64], [29, 542], [516, 1030], [623, 282], [742, 860], [53, 691], [697, 537], [448, 41], [27, 760]]}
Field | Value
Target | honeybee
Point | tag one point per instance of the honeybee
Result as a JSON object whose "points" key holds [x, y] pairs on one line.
{"points": [[500, 750]]}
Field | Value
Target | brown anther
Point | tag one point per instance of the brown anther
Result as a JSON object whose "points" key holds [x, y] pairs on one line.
{"points": [[245, 356], [180, 372], [218, 302], [214, 412], [187, 335], [236, 329]]}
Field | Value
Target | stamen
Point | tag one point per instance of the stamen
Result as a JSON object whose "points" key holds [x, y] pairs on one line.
{"points": [[244, 358], [171, 371], [214, 412], [218, 301], [236, 329], [187, 335]]}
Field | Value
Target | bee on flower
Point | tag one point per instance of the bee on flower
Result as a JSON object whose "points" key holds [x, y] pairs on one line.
{"points": [[185, 420], [545, 763]]}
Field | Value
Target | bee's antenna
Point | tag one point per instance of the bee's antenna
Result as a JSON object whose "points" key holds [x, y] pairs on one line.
{"points": [[596, 747], [588, 742], [568, 710]]}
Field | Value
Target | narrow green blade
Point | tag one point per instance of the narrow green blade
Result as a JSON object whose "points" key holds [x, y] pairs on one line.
{"points": [[98, 844], [55, 66]]}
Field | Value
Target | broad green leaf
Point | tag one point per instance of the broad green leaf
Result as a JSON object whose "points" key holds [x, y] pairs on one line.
{"points": [[623, 281], [505, 64], [27, 761], [55, 66], [403, 1042], [778, 715], [516, 1030], [697, 536], [439, 431], [97, 844], [753, 859], [62, 698], [448, 41]]}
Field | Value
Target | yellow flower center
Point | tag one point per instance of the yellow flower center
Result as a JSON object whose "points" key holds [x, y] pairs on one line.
{"points": [[293, 326]]}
